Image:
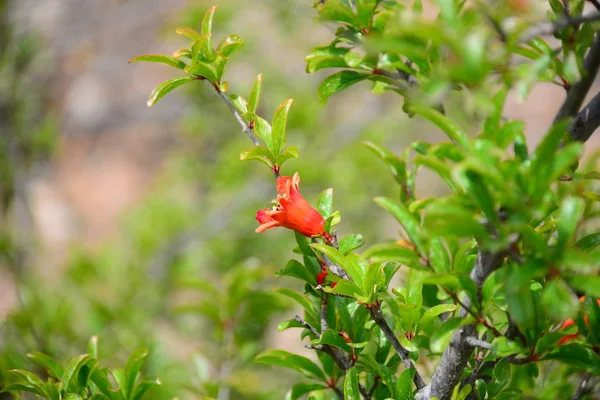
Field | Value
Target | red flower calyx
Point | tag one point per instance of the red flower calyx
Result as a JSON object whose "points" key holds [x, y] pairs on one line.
{"points": [[292, 210]]}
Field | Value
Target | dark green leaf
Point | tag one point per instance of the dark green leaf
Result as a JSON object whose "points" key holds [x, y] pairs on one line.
{"points": [[300, 389], [577, 356], [297, 270], [351, 391], [404, 384]]}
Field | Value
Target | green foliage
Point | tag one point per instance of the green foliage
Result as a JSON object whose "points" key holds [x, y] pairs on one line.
{"points": [[505, 253], [83, 377]]}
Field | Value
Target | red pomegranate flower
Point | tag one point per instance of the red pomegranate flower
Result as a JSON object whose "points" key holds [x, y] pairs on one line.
{"points": [[292, 210], [570, 322]]}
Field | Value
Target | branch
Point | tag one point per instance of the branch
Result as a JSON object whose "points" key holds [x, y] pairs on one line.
{"points": [[587, 121], [456, 355], [377, 316], [474, 342], [583, 387], [307, 326], [577, 92], [237, 116], [324, 303], [551, 27]]}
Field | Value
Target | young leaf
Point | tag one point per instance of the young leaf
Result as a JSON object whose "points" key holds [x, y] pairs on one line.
{"points": [[189, 32], [161, 90], [570, 213], [259, 153], [159, 58], [279, 126], [204, 70], [229, 45], [72, 370], [132, 368], [337, 82], [325, 202], [206, 29], [254, 98]]}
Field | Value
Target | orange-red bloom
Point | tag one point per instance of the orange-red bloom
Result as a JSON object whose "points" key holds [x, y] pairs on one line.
{"points": [[570, 322], [292, 210]]}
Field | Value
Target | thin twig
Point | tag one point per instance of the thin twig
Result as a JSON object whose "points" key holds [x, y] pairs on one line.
{"points": [[377, 316], [551, 27], [307, 326], [237, 116], [474, 342], [583, 387]]}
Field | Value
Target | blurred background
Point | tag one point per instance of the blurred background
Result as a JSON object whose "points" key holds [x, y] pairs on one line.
{"points": [[136, 223]]}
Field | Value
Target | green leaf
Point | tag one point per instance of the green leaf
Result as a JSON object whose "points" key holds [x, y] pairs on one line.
{"points": [[351, 243], [143, 387], [434, 311], [353, 269], [204, 70], [159, 58], [259, 153], [404, 384], [331, 221], [24, 387], [72, 370], [189, 32], [500, 378], [53, 368], [263, 130], [254, 98], [291, 361], [589, 284], [394, 252], [475, 187], [279, 126], [161, 90], [332, 338], [589, 242], [229, 45], [300, 299], [452, 130], [132, 368], [336, 11], [542, 160], [570, 213], [93, 346], [239, 103], [409, 222], [337, 82], [325, 202], [577, 356], [297, 270], [300, 389], [325, 57], [344, 288], [291, 152], [206, 29], [503, 347], [351, 391], [396, 164]]}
